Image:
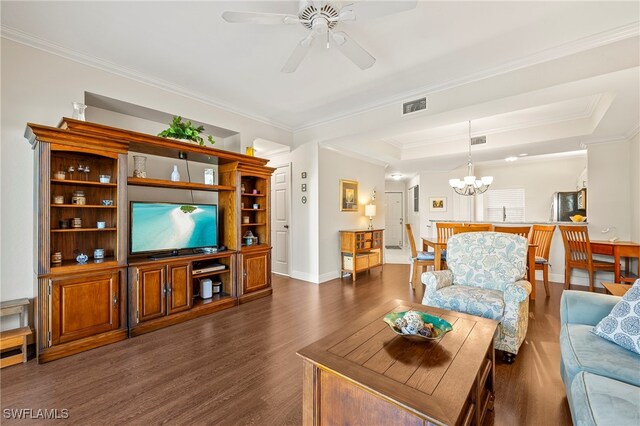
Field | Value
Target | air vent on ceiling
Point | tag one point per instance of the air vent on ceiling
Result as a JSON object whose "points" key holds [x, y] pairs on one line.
{"points": [[416, 105], [478, 140]]}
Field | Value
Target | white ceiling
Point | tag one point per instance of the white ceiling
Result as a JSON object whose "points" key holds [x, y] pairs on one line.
{"points": [[437, 48]]}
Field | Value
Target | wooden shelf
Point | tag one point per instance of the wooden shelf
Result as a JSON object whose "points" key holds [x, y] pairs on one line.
{"points": [[199, 301], [82, 206], [71, 265], [83, 182], [84, 230], [245, 194], [161, 183], [254, 247], [253, 210], [218, 272], [254, 224]]}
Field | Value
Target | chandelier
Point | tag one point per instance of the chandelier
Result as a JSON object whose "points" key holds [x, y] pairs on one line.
{"points": [[469, 185]]}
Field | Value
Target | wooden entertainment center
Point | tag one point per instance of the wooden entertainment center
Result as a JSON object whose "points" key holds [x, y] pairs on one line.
{"points": [[80, 306]]}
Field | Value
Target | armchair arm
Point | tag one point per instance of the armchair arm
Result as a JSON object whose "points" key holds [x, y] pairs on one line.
{"points": [[436, 280], [517, 291], [580, 307]]}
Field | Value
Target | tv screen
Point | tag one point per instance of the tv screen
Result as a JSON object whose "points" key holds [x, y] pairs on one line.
{"points": [[172, 226]]}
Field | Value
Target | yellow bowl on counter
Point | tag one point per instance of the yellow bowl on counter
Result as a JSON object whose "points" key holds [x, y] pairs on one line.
{"points": [[578, 218]]}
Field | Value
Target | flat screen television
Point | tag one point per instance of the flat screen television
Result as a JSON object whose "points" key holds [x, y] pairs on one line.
{"points": [[158, 227]]}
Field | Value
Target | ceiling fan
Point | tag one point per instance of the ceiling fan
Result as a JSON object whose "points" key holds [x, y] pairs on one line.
{"points": [[321, 17]]}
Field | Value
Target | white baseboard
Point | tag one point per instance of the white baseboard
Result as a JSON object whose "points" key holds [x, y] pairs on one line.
{"points": [[329, 276], [303, 276], [581, 280]]}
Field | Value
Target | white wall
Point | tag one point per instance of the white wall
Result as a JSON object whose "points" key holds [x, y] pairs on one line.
{"points": [[413, 218], [39, 87], [304, 217], [333, 167], [608, 201], [634, 187]]}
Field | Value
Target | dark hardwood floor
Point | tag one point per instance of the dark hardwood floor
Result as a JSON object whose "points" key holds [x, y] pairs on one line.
{"points": [[240, 366]]}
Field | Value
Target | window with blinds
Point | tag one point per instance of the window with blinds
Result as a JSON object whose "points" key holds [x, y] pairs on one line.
{"points": [[504, 205]]}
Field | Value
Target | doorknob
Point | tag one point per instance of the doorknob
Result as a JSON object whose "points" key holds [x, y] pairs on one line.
{"points": [[286, 226]]}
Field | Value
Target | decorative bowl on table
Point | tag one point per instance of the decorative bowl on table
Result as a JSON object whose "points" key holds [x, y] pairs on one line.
{"points": [[417, 326], [578, 218]]}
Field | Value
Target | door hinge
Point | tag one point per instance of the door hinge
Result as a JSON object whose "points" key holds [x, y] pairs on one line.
{"points": [[49, 290], [48, 338], [137, 276], [137, 316]]}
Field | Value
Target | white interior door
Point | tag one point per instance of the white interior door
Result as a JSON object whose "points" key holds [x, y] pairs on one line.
{"points": [[280, 212], [393, 218]]}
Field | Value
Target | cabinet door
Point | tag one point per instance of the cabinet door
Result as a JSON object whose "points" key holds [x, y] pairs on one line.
{"points": [[256, 271], [84, 306], [151, 292], [179, 287]]}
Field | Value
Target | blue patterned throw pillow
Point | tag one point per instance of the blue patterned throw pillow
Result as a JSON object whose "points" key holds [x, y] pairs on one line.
{"points": [[622, 325]]}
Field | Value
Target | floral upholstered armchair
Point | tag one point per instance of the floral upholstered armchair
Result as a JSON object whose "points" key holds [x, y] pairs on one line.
{"points": [[485, 278]]}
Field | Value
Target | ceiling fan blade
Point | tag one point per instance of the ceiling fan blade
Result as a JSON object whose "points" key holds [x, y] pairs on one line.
{"points": [[376, 9], [259, 18], [298, 55], [353, 50]]}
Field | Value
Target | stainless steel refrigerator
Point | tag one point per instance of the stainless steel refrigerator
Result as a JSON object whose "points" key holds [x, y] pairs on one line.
{"points": [[564, 205]]}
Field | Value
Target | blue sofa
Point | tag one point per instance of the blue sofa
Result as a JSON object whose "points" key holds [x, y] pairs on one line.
{"points": [[601, 378]]}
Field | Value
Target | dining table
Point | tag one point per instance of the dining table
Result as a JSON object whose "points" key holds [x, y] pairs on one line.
{"points": [[440, 244]]}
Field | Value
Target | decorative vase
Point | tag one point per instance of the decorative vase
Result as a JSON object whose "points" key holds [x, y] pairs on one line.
{"points": [[140, 166], [78, 110], [175, 175]]}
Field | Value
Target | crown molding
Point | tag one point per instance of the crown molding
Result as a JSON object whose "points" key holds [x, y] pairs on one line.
{"points": [[585, 113], [110, 67], [631, 133], [566, 49], [612, 139], [354, 155]]}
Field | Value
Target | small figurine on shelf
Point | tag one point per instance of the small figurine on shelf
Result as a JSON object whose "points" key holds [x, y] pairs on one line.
{"points": [[242, 188]]}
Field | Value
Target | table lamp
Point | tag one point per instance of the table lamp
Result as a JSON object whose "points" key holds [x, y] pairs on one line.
{"points": [[370, 211]]}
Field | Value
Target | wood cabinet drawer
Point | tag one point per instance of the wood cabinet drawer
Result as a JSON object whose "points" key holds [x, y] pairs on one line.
{"points": [[605, 249], [362, 262]]}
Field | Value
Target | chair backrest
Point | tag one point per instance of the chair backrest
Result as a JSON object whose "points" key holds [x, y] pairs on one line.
{"points": [[445, 229], [474, 227], [541, 235], [487, 259], [523, 231], [412, 242], [577, 247]]}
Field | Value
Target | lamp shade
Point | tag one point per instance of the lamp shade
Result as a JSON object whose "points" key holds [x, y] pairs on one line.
{"points": [[370, 210]]}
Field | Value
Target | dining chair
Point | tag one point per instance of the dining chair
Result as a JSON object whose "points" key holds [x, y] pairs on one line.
{"points": [[419, 260], [577, 253], [523, 231], [445, 229], [541, 236], [474, 227]]}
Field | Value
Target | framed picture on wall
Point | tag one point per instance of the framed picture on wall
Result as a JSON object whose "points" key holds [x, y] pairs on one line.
{"points": [[437, 204], [348, 195]]}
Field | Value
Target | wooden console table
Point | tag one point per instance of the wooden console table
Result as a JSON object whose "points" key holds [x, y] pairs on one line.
{"points": [[360, 250], [366, 374], [619, 249]]}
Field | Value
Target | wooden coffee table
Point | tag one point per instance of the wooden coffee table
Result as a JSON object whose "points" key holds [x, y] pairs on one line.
{"points": [[366, 374], [616, 289]]}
